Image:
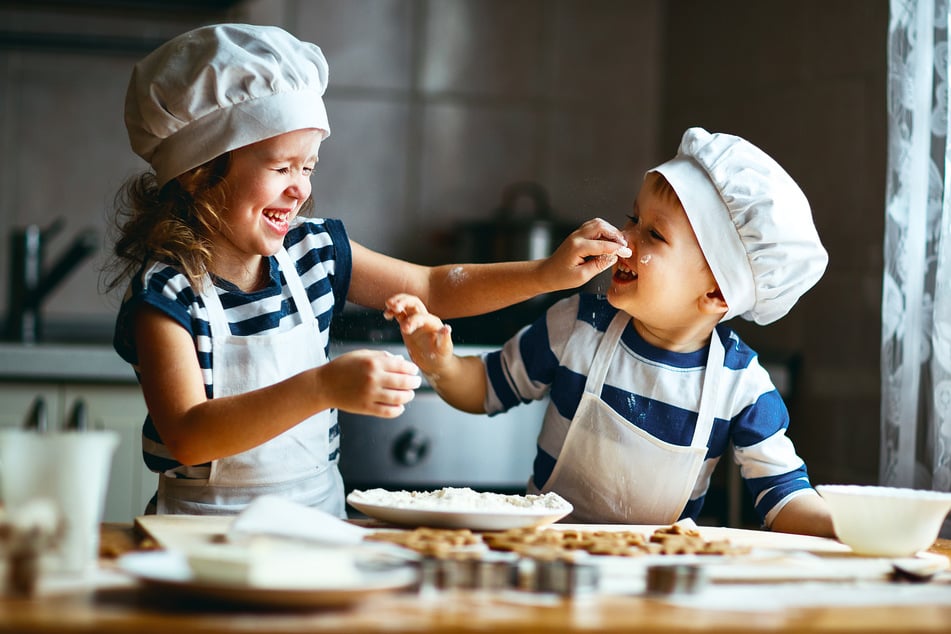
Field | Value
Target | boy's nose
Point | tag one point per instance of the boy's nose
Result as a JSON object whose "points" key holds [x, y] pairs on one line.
{"points": [[631, 235]]}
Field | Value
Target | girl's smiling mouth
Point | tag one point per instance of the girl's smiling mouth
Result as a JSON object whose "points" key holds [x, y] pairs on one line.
{"points": [[278, 219]]}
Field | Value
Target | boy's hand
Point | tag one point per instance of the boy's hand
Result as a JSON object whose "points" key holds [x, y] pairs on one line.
{"points": [[427, 338], [593, 247]]}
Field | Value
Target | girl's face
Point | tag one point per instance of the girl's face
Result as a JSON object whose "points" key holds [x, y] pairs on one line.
{"points": [[663, 283], [268, 182]]}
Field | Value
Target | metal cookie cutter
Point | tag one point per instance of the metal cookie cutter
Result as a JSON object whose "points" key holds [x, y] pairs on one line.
{"points": [[567, 578], [668, 579], [483, 571]]}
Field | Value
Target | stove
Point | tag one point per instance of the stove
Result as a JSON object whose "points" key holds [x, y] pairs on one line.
{"points": [[432, 445]]}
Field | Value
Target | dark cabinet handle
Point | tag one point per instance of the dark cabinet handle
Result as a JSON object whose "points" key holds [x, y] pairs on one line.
{"points": [[410, 448], [37, 419], [79, 417]]}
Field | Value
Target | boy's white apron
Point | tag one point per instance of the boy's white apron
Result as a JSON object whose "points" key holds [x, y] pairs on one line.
{"points": [[294, 464], [614, 472]]}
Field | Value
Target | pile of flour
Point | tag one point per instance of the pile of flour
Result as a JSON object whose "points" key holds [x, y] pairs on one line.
{"points": [[461, 500]]}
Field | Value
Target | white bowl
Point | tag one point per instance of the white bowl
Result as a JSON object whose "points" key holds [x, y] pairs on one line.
{"points": [[885, 521]]}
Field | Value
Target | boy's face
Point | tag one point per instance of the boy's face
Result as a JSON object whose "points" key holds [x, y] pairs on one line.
{"points": [[666, 283]]}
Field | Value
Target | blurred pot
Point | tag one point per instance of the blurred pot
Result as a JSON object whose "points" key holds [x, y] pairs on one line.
{"points": [[522, 227]]}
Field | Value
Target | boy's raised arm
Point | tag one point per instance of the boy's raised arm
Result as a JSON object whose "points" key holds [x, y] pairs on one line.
{"points": [[460, 381]]}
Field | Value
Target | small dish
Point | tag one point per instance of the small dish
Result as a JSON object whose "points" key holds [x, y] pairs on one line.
{"points": [[885, 521]]}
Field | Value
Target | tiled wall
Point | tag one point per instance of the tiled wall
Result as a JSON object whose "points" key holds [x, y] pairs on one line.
{"points": [[435, 105], [805, 80], [64, 149]]}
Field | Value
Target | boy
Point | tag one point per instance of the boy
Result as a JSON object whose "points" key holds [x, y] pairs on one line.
{"points": [[647, 386]]}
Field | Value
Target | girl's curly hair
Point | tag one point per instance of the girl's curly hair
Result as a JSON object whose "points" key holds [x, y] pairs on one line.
{"points": [[171, 224]]}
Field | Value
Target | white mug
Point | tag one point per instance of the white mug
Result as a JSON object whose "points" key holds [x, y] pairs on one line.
{"points": [[71, 469]]}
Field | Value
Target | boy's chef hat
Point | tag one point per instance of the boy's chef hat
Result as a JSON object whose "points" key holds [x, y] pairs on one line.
{"points": [[221, 87], [752, 221]]}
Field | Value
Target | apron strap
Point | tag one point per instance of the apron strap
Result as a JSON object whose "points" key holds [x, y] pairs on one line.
{"points": [[296, 286], [216, 312], [605, 352], [711, 375], [709, 392]]}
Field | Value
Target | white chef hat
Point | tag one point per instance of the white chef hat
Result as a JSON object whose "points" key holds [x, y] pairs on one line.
{"points": [[752, 221], [221, 87]]}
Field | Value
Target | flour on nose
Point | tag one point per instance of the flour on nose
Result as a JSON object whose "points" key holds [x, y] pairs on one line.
{"points": [[645, 259]]}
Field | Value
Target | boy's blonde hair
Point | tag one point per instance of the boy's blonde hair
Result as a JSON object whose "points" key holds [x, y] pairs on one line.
{"points": [[662, 188]]}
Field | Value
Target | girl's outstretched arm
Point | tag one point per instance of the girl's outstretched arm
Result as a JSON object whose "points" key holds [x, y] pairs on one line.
{"points": [[461, 290], [196, 429]]}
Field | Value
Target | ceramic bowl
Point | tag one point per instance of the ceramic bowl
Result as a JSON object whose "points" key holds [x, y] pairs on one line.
{"points": [[885, 521]]}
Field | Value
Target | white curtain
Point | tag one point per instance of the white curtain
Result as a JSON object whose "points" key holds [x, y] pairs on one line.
{"points": [[916, 298]]}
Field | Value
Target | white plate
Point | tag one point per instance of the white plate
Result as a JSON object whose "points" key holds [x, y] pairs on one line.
{"points": [[474, 520], [168, 571]]}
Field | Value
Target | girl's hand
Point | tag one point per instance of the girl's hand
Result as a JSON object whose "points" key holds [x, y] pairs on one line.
{"points": [[427, 338], [593, 247], [371, 382]]}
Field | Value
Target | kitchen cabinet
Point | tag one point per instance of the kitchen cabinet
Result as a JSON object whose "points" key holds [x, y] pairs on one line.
{"points": [[114, 406], [17, 400]]}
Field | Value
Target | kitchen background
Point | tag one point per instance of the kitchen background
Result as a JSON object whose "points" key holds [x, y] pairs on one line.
{"points": [[437, 105]]}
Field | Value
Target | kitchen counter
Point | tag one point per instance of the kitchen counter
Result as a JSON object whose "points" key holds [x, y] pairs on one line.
{"points": [[116, 604], [100, 363], [63, 362]]}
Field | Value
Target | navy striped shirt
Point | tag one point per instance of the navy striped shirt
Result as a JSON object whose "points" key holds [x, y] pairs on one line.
{"points": [[321, 252], [655, 389]]}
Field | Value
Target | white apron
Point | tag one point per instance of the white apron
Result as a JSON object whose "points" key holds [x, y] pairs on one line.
{"points": [[614, 472], [294, 464]]}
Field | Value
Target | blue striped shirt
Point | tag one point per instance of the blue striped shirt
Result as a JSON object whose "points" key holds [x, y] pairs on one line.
{"points": [[655, 389], [321, 252]]}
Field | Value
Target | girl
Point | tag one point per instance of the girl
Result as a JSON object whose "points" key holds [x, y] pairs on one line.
{"points": [[231, 290]]}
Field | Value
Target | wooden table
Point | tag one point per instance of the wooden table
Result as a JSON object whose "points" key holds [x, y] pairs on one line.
{"points": [[125, 607]]}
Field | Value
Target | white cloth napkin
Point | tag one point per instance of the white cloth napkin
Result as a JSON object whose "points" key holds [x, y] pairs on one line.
{"points": [[274, 516]]}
